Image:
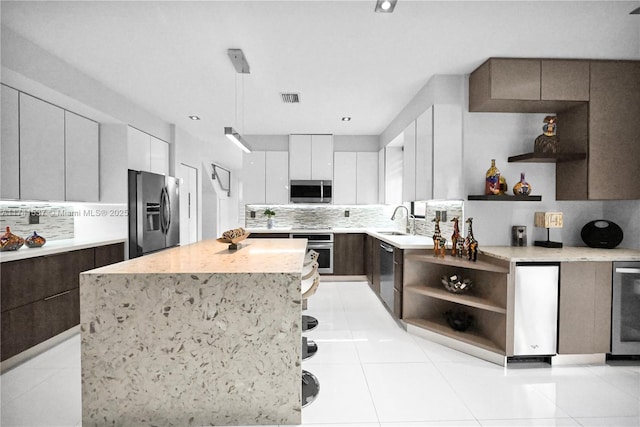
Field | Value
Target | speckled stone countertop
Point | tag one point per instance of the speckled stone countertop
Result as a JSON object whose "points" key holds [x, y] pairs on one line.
{"points": [[211, 256], [194, 335], [570, 253]]}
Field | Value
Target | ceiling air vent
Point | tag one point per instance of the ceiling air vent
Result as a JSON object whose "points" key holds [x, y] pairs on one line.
{"points": [[290, 98]]}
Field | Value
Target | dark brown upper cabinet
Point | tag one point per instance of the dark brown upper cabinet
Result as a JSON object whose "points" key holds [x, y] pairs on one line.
{"points": [[507, 85]]}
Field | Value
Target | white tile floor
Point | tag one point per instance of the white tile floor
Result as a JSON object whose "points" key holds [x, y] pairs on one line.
{"points": [[373, 374]]}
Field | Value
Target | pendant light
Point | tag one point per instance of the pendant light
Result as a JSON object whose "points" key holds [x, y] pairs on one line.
{"points": [[241, 65]]}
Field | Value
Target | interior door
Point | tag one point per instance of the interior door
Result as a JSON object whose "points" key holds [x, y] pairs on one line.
{"points": [[188, 205]]}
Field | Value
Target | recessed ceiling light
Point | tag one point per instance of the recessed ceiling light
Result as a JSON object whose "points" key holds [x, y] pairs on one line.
{"points": [[194, 117], [385, 6], [346, 119]]}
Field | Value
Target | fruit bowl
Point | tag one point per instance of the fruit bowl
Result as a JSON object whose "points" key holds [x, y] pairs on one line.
{"points": [[456, 284]]}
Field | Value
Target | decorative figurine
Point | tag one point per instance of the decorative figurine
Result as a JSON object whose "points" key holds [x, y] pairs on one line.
{"points": [[548, 141], [470, 243], [35, 241], [10, 242], [492, 180], [455, 237], [438, 240], [522, 188]]}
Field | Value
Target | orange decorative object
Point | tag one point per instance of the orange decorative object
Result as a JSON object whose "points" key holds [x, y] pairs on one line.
{"points": [[10, 242], [35, 241]]}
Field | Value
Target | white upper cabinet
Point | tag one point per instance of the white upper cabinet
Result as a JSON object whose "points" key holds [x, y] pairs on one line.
{"points": [[344, 190], [322, 157], [424, 156], [300, 156], [367, 178], [355, 178], [311, 157], [447, 152], [277, 177], [41, 150], [138, 150], [10, 145], [409, 164], [82, 146], [266, 177], [253, 169], [159, 156], [146, 152]]}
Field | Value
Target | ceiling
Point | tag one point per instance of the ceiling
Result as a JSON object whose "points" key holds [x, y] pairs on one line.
{"points": [[341, 57]]}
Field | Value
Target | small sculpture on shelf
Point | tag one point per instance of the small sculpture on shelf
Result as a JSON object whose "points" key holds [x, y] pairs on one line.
{"points": [[438, 241], [470, 243], [456, 238], [548, 141], [522, 187]]}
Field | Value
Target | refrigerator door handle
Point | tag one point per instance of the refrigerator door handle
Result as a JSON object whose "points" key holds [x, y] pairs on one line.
{"points": [[165, 210]]}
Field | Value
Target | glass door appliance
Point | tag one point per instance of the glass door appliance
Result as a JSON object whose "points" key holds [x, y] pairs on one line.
{"points": [[625, 318]]}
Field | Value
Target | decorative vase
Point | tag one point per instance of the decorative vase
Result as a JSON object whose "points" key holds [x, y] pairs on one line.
{"points": [[522, 188], [270, 223], [503, 185], [492, 181], [35, 241], [10, 242]]}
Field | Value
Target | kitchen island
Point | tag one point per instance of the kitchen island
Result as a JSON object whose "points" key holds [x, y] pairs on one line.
{"points": [[194, 335]]}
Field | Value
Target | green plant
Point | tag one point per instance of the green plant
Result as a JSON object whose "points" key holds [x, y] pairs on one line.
{"points": [[269, 213]]}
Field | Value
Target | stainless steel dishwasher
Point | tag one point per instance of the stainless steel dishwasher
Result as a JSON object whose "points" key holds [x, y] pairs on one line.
{"points": [[386, 274]]}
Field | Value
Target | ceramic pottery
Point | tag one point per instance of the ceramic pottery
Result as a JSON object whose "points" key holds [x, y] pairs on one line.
{"points": [[522, 188], [35, 241], [10, 242]]}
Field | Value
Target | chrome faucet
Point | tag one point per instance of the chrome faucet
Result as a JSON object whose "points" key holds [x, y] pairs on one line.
{"points": [[410, 227]]}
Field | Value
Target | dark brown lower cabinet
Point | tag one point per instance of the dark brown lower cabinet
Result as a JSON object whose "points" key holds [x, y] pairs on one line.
{"points": [[40, 296], [348, 253], [398, 274]]}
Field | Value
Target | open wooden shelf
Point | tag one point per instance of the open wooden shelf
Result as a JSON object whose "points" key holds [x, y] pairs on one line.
{"points": [[547, 157], [505, 198], [458, 262], [464, 299], [469, 336]]}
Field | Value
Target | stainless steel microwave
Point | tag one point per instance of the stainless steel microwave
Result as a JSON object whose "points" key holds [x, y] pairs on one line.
{"points": [[310, 191]]}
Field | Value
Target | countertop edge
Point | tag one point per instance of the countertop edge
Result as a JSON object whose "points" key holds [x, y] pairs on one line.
{"points": [[55, 247]]}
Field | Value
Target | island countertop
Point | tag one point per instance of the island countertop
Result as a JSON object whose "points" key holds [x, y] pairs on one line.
{"points": [[195, 335], [211, 256]]}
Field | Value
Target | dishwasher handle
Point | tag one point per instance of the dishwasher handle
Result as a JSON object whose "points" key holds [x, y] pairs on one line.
{"points": [[386, 247]]}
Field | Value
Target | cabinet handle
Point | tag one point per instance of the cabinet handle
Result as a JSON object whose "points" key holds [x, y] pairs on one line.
{"points": [[57, 295], [628, 270]]}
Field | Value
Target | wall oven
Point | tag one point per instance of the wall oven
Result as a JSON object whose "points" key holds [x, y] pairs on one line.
{"points": [[310, 191], [625, 319], [323, 244]]}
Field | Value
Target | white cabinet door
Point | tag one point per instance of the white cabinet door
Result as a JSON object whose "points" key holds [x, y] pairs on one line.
{"points": [[367, 178], [188, 204], [277, 177], [159, 156], [10, 145], [138, 150], [409, 164], [253, 168], [82, 146], [424, 160], [299, 156], [322, 157], [447, 152], [344, 178], [41, 150], [381, 176]]}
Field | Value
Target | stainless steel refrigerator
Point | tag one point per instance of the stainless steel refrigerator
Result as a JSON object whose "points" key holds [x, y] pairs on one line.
{"points": [[154, 212]]}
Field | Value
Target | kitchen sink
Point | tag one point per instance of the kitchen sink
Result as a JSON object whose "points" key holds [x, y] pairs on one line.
{"points": [[392, 233]]}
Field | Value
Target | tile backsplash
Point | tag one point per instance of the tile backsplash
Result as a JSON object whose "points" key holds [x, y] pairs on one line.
{"points": [[309, 216], [55, 222]]}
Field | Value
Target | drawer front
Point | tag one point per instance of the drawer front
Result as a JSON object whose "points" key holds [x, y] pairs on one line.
{"points": [[31, 324], [33, 279]]}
